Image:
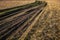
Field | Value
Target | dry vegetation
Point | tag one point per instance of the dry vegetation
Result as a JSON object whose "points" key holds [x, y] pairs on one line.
{"points": [[10, 4], [48, 25]]}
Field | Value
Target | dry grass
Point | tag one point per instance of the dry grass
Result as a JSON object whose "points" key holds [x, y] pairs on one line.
{"points": [[9, 4], [48, 25]]}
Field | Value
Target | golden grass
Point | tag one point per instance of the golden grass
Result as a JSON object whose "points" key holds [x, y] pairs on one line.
{"points": [[48, 25], [9, 4]]}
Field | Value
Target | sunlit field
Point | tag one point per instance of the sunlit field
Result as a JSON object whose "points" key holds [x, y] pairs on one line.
{"points": [[9, 4], [39, 21], [48, 25]]}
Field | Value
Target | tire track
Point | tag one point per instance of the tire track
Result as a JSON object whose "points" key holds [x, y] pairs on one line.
{"points": [[19, 23], [22, 28], [18, 14], [16, 26], [14, 22]]}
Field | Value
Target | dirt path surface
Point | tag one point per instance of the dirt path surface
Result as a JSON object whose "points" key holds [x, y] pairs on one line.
{"points": [[48, 25]]}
